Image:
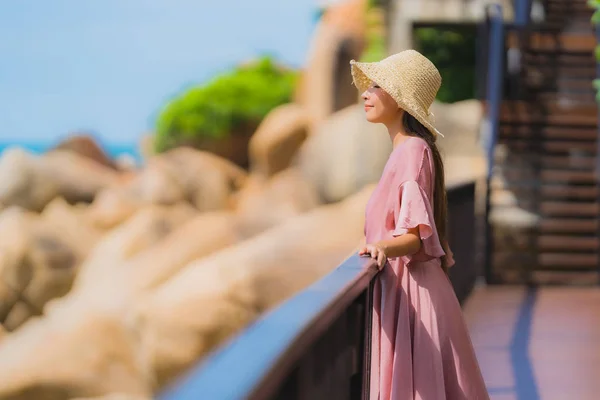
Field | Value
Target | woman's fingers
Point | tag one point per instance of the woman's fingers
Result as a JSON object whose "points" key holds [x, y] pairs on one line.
{"points": [[381, 259]]}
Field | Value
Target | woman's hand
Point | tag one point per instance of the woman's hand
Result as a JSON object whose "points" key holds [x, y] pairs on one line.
{"points": [[376, 252]]}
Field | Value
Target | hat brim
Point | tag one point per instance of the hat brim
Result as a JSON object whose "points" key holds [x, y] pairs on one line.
{"points": [[364, 74]]}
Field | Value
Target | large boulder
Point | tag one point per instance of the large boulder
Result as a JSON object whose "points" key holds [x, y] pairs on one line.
{"points": [[143, 231], [179, 238], [96, 351], [24, 182], [15, 275], [74, 352], [264, 203], [344, 154], [51, 248], [212, 298], [32, 181], [326, 84], [85, 145], [199, 178], [277, 139]]}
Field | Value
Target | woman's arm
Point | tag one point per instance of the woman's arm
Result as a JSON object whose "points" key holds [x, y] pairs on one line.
{"points": [[399, 246]]}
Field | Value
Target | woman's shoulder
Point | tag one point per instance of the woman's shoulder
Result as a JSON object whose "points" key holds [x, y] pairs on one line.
{"points": [[416, 144]]}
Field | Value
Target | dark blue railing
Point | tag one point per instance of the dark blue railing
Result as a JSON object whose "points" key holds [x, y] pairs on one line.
{"points": [[493, 97], [522, 12], [495, 78], [328, 323]]}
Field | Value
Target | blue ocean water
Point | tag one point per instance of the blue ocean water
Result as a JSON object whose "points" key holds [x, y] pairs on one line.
{"points": [[113, 150]]}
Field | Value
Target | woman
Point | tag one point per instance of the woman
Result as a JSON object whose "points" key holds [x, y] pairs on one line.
{"points": [[421, 348]]}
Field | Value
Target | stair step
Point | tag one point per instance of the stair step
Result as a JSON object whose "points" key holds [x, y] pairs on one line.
{"points": [[583, 98], [569, 209], [578, 71], [554, 42], [568, 225], [514, 171], [548, 260], [549, 147], [549, 161], [560, 59], [571, 192], [524, 113], [568, 260], [548, 191], [567, 243], [548, 132]]}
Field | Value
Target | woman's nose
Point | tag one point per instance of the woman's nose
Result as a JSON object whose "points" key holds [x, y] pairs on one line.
{"points": [[365, 95]]}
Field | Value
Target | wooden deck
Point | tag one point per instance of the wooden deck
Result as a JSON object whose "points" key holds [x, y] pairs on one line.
{"points": [[537, 343]]}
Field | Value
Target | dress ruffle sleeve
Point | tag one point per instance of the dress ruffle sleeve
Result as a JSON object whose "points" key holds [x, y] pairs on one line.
{"points": [[414, 210]]}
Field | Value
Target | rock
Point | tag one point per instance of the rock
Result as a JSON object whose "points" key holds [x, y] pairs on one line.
{"points": [[85, 145], [277, 139], [46, 249], [31, 181], [24, 182], [115, 396], [344, 154], [212, 298], [15, 273], [264, 203], [146, 145], [144, 230], [77, 178], [126, 162], [73, 352], [190, 238], [209, 180], [326, 84], [98, 353], [204, 180]]}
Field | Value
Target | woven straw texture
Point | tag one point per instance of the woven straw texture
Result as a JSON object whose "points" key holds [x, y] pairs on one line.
{"points": [[409, 77]]}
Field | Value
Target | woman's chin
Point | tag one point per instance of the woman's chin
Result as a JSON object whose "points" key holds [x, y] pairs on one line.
{"points": [[371, 118]]}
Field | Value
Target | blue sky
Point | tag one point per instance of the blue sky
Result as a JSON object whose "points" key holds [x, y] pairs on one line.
{"points": [[110, 65]]}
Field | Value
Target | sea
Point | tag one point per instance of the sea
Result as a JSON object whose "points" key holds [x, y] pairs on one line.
{"points": [[112, 150]]}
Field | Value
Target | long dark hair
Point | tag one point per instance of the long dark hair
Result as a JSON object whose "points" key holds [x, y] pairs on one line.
{"points": [[440, 205]]}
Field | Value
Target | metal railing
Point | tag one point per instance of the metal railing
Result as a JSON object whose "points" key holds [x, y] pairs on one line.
{"points": [[522, 12], [316, 345], [493, 96]]}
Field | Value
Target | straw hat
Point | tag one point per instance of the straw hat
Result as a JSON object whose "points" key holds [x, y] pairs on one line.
{"points": [[409, 77]]}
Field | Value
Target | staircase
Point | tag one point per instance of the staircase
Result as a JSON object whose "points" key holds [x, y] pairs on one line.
{"points": [[544, 191]]}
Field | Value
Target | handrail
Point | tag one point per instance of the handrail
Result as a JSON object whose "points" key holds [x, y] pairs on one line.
{"points": [[317, 343], [296, 324]]}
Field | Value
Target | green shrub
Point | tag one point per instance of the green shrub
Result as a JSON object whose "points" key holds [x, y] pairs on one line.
{"points": [[241, 98], [375, 48], [453, 53], [595, 4]]}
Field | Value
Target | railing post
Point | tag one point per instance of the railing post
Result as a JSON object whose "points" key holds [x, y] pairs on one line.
{"points": [[494, 84], [367, 336], [522, 12]]}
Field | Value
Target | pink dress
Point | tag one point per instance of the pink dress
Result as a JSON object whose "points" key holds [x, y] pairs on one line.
{"points": [[421, 348]]}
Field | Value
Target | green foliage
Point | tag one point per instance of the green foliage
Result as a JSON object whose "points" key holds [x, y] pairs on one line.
{"points": [[237, 99], [453, 52], [376, 38], [595, 4]]}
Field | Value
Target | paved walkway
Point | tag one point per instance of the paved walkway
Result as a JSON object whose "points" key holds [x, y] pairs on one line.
{"points": [[537, 343]]}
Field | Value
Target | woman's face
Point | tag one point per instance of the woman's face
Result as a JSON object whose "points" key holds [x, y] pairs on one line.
{"points": [[380, 107]]}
